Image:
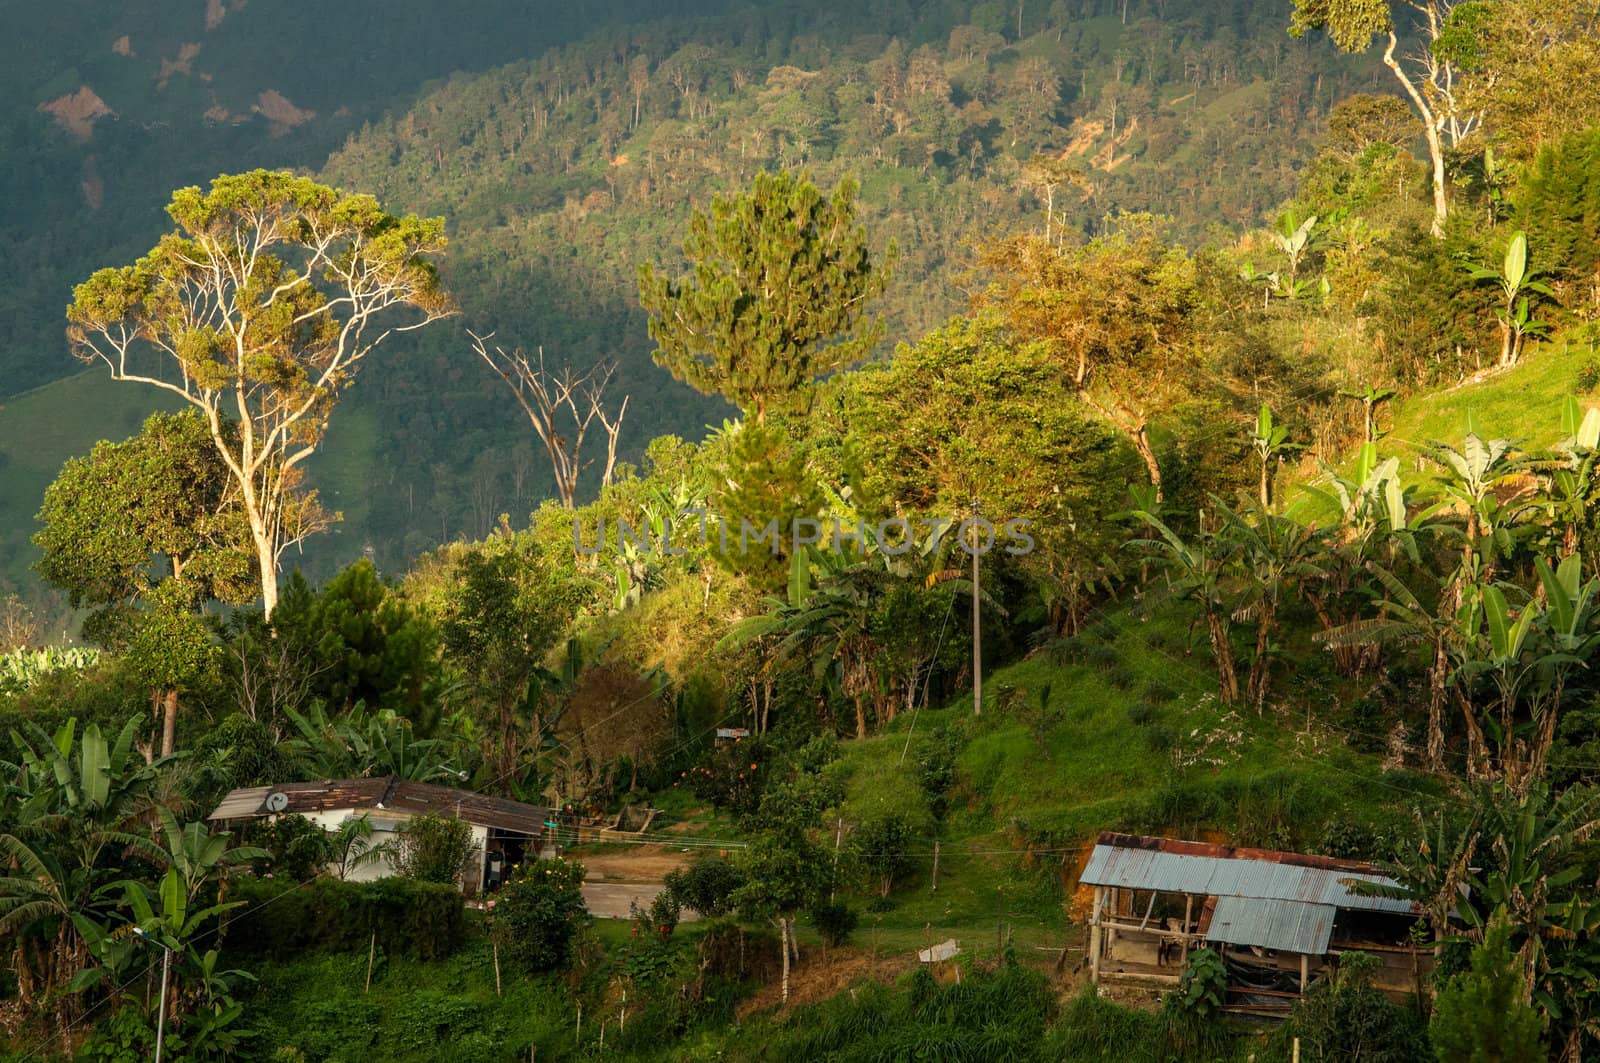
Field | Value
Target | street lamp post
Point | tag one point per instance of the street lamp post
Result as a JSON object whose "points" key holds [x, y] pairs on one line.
{"points": [[161, 1005]]}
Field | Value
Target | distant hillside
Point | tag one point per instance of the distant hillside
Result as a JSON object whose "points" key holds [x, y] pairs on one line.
{"points": [[558, 175], [106, 107]]}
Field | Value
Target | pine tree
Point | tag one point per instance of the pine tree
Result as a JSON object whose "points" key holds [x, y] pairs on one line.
{"points": [[777, 297], [1483, 1015]]}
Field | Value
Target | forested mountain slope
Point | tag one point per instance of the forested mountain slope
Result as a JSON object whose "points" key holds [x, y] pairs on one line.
{"points": [[558, 175], [107, 107]]}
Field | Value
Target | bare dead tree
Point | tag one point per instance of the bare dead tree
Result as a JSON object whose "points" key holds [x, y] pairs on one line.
{"points": [[269, 675], [19, 629], [562, 407]]}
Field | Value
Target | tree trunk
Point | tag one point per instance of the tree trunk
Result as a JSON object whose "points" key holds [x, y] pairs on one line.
{"points": [[169, 721], [267, 560], [1438, 675], [1430, 129], [1222, 650], [861, 716], [1141, 443], [783, 939], [1260, 668]]}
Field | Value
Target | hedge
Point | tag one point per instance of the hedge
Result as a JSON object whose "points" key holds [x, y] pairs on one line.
{"points": [[280, 919]]}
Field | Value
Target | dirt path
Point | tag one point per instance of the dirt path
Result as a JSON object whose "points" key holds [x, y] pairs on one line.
{"points": [[641, 863], [613, 900]]}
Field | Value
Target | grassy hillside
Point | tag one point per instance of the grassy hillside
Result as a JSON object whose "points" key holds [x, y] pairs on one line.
{"points": [[1132, 739], [1521, 403], [41, 429]]}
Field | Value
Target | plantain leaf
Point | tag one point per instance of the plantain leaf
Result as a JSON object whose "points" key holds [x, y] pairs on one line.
{"points": [[1516, 260]]}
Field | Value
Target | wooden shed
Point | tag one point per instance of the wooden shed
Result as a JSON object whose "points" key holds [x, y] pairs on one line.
{"points": [[1277, 919]]}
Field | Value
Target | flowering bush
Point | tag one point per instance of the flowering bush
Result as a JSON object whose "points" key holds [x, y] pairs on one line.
{"points": [[659, 920], [539, 913]]}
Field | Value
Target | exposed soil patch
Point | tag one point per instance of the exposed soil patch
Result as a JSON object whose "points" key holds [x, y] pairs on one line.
{"points": [[827, 973], [188, 52], [76, 112], [647, 863], [280, 114]]}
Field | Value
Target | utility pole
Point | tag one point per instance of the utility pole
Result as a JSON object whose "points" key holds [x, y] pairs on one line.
{"points": [[161, 1007]]}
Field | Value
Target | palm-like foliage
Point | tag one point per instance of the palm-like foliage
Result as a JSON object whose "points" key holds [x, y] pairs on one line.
{"points": [[1471, 480], [76, 806], [830, 619], [1368, 516], [361, 744], [352, 847], [1197, 568], [1273, 556], [1570, 474]]}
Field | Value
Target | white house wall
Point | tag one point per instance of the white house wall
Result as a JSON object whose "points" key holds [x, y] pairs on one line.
{"points": [[385, 824]]}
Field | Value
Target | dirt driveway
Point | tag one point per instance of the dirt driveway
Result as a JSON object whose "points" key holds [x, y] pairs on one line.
{"points": [[610, 900]]}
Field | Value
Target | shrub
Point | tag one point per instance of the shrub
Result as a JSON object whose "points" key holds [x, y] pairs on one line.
{"points": [[1348, 840], [1346, 1017], [1192, 1010], [835, 922], [1481, 1013], [705, 884], [1100, 656], [280, 919], [1159, 737], [657, 920], [434, 849], [299, 848], [734, 776], [1141, 713], [1368, 725], [1158, 691], [1119, 675], [879, 846], [538, 914], [936, 772], [1588, 377]]}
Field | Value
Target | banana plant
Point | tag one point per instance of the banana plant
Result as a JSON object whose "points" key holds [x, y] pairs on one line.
{"points": [[1572, 472], [1274, 555], [1270, 441], [1370, 398], [1471, 477], [1197, 567], [1515, 281], [1271, 283], [199, 855], [362, 744], [1293, 238]]}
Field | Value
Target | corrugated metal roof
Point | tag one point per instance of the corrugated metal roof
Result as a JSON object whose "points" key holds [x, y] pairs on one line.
{"points": [[1260, 877], [242, 804], [391, 795], [1291, 926]]}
